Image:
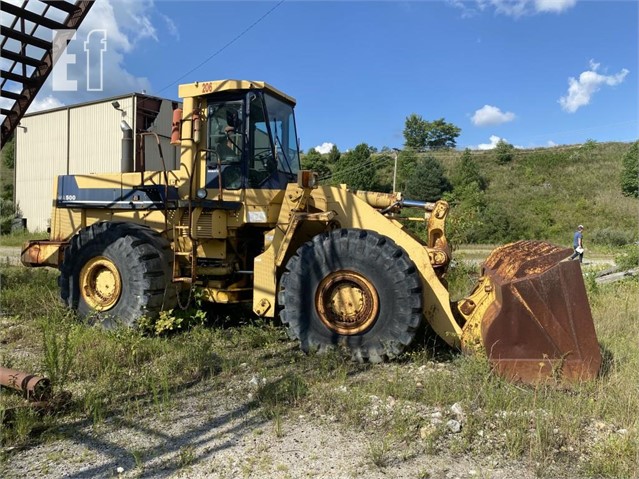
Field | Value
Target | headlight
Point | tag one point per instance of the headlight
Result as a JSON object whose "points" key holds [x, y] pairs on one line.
{"points": [[307, 179], [201, 193]]}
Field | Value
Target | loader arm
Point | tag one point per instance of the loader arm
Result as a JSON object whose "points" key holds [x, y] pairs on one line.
{"points": [[352, 210], [529, 312]]}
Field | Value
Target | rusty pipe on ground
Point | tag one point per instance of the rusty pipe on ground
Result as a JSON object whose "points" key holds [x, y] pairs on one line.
{"points": [[34, 387]]}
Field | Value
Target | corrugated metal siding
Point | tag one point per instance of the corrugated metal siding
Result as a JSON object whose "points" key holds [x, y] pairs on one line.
{"points": [[41, 155], [95, 134], [78, 140]]}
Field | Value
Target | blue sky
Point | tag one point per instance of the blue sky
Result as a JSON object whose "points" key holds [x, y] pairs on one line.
{"points": [[533, 72]]}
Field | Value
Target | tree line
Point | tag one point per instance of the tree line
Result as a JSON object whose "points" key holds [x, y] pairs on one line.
{"points": [[421, 175]]}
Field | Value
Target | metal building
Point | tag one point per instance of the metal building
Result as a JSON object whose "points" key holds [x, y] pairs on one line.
{"points": [[88, 138]]}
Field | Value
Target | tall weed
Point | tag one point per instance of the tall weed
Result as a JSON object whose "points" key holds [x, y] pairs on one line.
{"points": [[59, 348]]}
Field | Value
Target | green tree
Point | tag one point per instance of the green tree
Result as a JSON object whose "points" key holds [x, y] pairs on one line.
{"points": [[468, 200], [406, 164], [7, 192], [356, 169], [420, 134], [467, 172], [8, 154], [428, 181], [630, 171], [442, 135], [383, 171], [6, 181], [468, 204], [333, 155], [7, 214], [415, 132], [504, 152], [313, 160]]}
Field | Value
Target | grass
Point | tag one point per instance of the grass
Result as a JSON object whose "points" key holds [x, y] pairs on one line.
{"points": [[17, 239], [555, 189], [558, 188], [590, 430]]}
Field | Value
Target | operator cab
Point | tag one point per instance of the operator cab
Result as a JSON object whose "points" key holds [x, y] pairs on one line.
{"points": [[251, 140]]}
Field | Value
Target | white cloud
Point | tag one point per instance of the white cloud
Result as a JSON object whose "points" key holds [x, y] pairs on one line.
{"points": [[171, 26], [128, 24], [324, 147], [551, 143], [556, 6], [467, 10], [491, 115], [518, 8], [494, 139], [46, 103], [580, 90]]}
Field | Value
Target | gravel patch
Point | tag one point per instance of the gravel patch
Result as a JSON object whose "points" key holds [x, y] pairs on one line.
{"points": [[10, 255], [206, 433]]}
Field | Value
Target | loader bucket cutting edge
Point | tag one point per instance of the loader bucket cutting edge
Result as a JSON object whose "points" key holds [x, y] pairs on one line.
{"points": [[539, 324]]}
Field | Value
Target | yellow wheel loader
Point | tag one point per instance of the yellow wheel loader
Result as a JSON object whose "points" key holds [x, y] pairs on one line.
{"points": [[240, 221]]}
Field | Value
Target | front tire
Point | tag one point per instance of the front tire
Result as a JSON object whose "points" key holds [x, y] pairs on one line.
{"points": [[355, 288], [114, 273]]}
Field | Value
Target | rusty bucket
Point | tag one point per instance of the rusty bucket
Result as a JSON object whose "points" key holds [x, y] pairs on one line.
{"points": [[540, 325]]}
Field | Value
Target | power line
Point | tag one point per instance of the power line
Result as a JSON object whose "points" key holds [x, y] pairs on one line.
{"points": [[228, 44], [366, 164]]}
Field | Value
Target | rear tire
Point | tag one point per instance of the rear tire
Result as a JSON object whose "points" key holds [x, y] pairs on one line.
{"points": [[354, 288], [114, 273]]}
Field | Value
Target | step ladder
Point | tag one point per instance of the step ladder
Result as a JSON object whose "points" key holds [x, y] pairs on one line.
{"points": [[179, 256]]}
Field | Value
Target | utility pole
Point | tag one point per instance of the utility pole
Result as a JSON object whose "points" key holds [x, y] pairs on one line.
{"points": [[396, 152]]}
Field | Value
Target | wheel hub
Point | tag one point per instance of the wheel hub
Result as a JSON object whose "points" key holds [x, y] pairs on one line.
{"points": [[347, 302], [100, 283]]}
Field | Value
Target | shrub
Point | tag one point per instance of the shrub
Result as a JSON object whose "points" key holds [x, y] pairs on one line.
{"points": [[7, 213], [504, 151], [499, 225], [177, 319], [611, 237], [628, 258], [630, 171], [8, 154]]}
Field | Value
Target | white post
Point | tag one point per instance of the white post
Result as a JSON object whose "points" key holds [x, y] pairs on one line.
{"points": [[395, 150]]}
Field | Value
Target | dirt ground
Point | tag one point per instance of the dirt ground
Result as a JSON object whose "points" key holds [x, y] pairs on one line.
{"points": [[211, 431], [207, 433], [10, 254]]}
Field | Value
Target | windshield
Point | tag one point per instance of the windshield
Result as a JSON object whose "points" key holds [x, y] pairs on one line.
{"points": [[252, 142], [282, 126]]}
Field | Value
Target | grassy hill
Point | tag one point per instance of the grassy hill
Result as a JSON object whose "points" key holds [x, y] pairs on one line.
{"points": [[549, 191], [545, 193]]}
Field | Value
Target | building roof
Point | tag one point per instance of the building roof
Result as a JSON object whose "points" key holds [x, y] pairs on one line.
{"points": [[101, 100]]}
